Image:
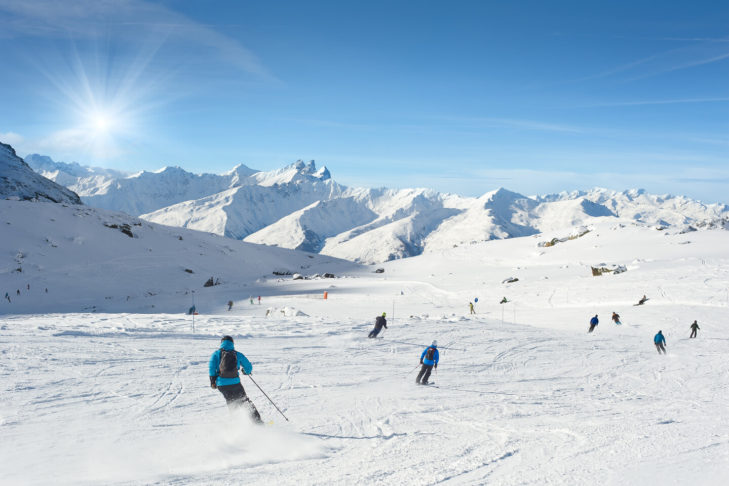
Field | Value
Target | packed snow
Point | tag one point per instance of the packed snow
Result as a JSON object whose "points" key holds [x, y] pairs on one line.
{"points": [[101, 389]]}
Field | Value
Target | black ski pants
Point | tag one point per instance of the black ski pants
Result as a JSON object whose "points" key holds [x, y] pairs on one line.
{"points": [[592, 327], [660, 348], [374, 332], [424, 374], [235, 397], [693, 333]]}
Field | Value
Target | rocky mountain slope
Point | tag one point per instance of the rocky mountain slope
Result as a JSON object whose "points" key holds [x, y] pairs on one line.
{"points": [[19, 181]]}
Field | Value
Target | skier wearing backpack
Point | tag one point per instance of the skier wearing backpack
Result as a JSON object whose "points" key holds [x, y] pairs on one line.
{"points": [[223, 370], [429, 360], [380, 322]]}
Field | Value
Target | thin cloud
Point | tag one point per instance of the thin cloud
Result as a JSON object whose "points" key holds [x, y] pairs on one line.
{"points": [[656, 102], [705, 52], [496, 122], [11, 138], [49, 18]]}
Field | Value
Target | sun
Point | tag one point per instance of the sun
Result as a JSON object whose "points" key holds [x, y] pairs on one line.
{"points": [[100, 122]]}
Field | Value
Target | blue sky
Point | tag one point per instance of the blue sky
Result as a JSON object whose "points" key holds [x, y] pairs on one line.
{"points": [[458, 96]]}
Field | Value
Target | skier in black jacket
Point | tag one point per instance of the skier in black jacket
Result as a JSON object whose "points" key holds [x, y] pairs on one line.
{"points": [[380, 322]]}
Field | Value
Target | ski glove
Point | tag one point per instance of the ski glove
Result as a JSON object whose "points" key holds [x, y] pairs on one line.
{"points": [[213, 384], [421, 360], [435, 365]]}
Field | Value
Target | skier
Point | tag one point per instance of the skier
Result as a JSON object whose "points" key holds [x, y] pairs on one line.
{"points": [[380, 322], [470, 306], [616, 318], [259, 300], [429, 360], [694, 327], [251, 299], [660, 342], [223, 370], [191, 311], [17, 292], [7, 296], [503, 301], [230, 305], [642, 300], [593, 323]]}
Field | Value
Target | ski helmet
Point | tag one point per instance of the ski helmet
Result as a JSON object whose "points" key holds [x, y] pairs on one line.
{"points": [[384, 314], [435, 343], [226, 338]]}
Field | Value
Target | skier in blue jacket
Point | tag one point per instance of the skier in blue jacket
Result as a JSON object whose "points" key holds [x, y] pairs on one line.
{"points": [[593, 323], [429, 360], [223, 370], [660, 342]]}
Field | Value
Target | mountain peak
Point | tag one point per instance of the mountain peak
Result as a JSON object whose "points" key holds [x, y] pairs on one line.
{"points": [[19, 181]]}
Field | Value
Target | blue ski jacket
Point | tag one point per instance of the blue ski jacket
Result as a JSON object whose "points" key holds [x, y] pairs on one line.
{"points": [[435, 356], [214, 365], [658, 338], [594, 321]]}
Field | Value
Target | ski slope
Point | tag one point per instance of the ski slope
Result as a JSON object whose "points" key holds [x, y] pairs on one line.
{"points": [[523, 394]]}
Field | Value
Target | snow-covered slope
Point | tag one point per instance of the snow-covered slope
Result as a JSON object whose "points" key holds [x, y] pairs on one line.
{"points": [[522, 395], [245, 209], [18, 181], [93, 259]]}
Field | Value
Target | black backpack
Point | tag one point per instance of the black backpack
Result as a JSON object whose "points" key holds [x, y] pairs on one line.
{"points": [[429, 355], [228, 364]]}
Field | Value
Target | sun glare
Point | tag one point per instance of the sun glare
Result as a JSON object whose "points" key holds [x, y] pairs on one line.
{"points": [[101, 123]]}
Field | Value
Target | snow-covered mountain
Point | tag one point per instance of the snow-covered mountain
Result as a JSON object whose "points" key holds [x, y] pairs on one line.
{"points": [[18, 181], [301, 207], [138, 193]]}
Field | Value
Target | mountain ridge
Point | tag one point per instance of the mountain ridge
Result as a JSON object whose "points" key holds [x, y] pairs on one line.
{"points": [[301, 207]]}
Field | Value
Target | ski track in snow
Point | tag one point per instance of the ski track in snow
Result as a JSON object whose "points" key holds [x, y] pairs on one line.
{"points": [[98, 399]]}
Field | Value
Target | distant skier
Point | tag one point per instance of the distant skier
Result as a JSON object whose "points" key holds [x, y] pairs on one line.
{"points": [[593, 323], [616, 318], [694, 327], [223, 370], [470, 306], [429, 360], [17, 292], [7, 296], [230, 305], [251, 299], [503, 301], [380, 322], [660, 342], [259, 300], [642, 300]]}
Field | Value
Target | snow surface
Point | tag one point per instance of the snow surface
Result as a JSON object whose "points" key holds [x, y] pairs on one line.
{"points": [[523, 394]]}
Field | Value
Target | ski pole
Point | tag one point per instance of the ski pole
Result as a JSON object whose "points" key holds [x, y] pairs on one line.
{"points": [[269, 399]]}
